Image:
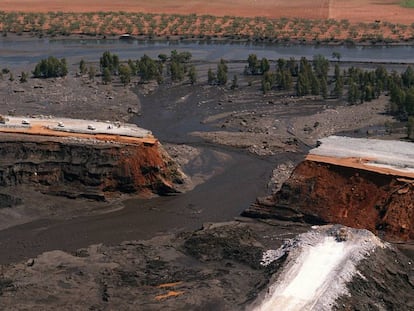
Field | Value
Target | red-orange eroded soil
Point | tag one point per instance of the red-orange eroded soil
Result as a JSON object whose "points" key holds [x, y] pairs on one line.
{"points": [[353, 197], [353, 10]]}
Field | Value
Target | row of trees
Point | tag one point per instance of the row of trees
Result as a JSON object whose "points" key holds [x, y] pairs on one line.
{"points": [[218, 77], [177, 66], [202, 26], [51, 68], [306, 77], [303, 77], [311, 77]]}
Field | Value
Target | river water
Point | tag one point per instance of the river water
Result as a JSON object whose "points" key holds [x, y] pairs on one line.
{"points": [[221, 198], [18, 52]]}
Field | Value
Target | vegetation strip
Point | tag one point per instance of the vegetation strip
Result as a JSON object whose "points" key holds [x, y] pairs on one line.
{"points": [[296, 77], [194, 26]]}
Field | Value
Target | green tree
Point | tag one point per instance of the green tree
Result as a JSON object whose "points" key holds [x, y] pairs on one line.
{"points": [[50, 68], [324, 88], [23, 77], [211, 77], [381, 77], [106, 76], [339, 83], [133, 66], [63, 68], [222, 72], [264, 65], [410, 128], [320, 66], [268, 81], [125, 74], [183, 57], [293, 66], [82, 67], [91, 72], [354, 93], [397, 98], [281, 64], [303, 86], [252, 64], [163, 58], [369, 93], [234, 83], [408, 77], [37, 72], [177, 71], [284, 79], [409, 101], [192, 74], [109, 61], [337, 56], [148, 68], [315, 85]]}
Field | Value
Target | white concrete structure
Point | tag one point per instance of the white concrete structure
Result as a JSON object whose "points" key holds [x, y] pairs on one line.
{"points": [[387, 154], [77, 126]]}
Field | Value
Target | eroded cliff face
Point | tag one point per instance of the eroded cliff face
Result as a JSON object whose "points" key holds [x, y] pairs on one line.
{"points": [[325, 193], [86, 168]]}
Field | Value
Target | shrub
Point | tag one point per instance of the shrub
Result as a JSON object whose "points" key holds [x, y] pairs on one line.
{"points": [[50, 68]]}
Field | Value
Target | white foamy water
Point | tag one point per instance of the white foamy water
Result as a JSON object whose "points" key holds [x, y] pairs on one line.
{"points": [[317, 270]]}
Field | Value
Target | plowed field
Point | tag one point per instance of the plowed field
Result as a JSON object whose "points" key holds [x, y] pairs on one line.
{"points": [[353, 10]]}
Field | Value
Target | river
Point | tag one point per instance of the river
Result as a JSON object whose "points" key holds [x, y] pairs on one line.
{"points": [[221, 198], [16, 52]]}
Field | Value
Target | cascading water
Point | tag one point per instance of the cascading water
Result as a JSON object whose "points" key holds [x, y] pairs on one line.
{"points": [[319, 265]]}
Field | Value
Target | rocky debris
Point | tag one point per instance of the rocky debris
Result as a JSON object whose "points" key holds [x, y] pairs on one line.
{"points": [[329, 121], [342, 235], [83, 169], [384, 282], [326, 193], [279, 175], [166, 273], [182, 154], [7, 201], [30, 262], [5, 285], [220, 242], [71, 96]]}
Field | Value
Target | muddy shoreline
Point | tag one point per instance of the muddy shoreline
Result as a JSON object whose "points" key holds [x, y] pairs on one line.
{"points": [[174, 39]]}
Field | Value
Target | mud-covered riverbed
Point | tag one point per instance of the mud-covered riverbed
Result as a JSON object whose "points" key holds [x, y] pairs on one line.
{"points": [[227, 141]]}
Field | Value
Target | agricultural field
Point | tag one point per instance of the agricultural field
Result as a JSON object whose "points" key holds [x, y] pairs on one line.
{"points": [[193, 26], [395, 11]]}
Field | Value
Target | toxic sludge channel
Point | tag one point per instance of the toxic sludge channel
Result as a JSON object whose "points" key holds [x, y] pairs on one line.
{"points": [[185, 155]]}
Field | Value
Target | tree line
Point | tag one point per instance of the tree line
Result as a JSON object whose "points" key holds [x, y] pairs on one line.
{"points": [[301, 77], [177, 66]]}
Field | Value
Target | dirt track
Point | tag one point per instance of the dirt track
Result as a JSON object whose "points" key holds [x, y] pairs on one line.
{"points": [[353, 10]]}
